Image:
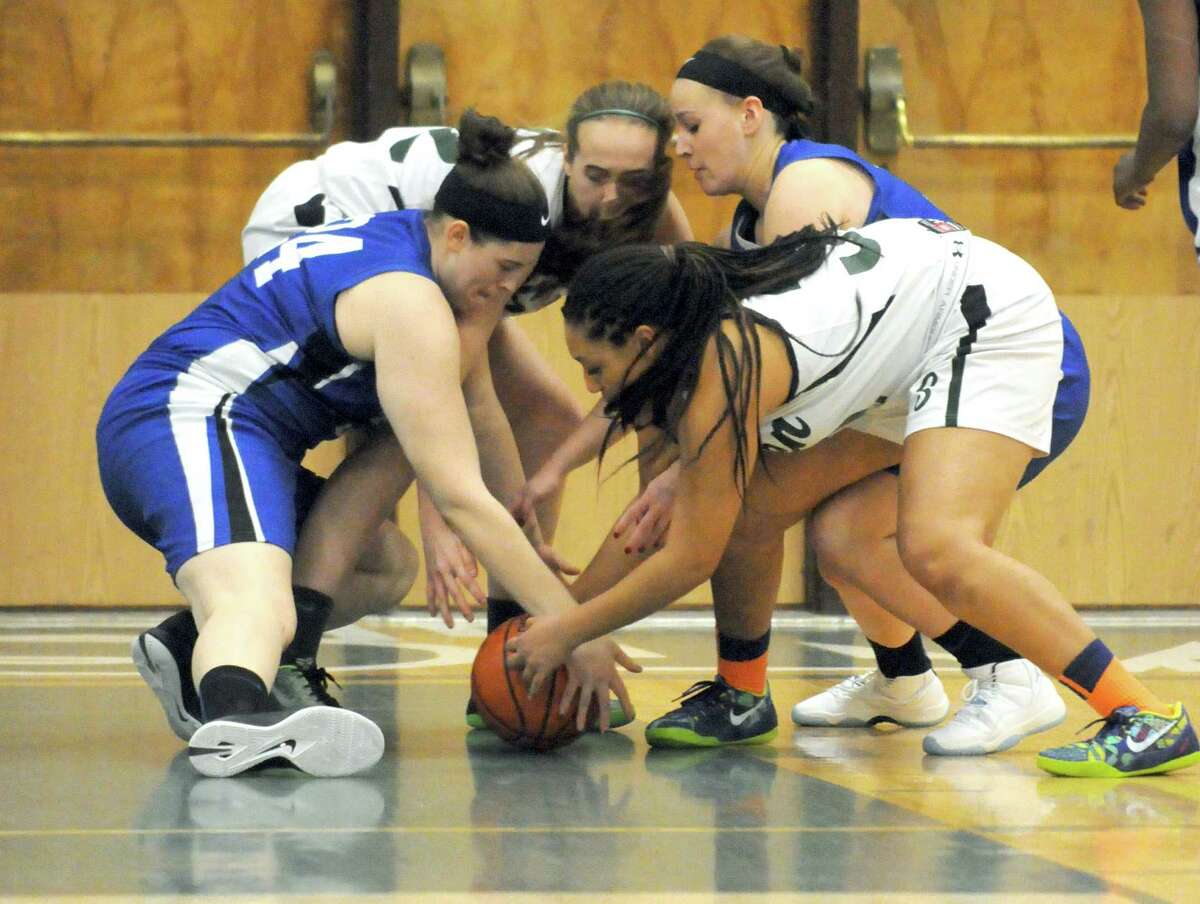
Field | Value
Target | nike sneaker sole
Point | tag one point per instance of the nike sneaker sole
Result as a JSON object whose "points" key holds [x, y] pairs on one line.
{"points": [[319, 740]]}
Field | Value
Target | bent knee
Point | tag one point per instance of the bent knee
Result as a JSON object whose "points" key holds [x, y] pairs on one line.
{"points": [[941, 559]]}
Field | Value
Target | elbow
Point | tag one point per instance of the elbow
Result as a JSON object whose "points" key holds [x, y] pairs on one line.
{"points": [[459, 503], [1175, 124]]}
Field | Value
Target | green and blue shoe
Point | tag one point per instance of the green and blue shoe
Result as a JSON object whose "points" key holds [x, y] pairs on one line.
{"points": [[716, 714], [1131, 742]]}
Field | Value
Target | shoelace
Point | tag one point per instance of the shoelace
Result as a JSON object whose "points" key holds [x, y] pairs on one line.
{"points": [[1118, 718], [318, 681], [700, 693], [854, 682]]}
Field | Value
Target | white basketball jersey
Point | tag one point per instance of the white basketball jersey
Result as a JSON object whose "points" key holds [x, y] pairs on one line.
{"points": [[404, 167], [860, 326]]}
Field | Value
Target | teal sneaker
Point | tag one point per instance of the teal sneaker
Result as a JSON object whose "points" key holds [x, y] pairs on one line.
{"points": [[617, 717], [715, 714], [1132, 742]]}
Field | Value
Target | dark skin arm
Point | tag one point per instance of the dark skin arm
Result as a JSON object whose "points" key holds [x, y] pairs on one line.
{"points": [[1172, 74]]}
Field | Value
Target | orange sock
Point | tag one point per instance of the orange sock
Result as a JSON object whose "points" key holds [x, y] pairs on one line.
{"points": [[743, 663], [1105, 684]]}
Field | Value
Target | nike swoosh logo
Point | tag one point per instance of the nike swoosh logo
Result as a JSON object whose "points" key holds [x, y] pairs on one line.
{"points": [[1139, 746], [546, 220], [739, 718]]}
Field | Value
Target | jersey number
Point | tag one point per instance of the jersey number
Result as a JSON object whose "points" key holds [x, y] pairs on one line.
{"points": [[314, 243], [925, 390], [790, 436]]}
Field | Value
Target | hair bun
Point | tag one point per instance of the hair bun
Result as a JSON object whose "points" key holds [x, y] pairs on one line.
{"points": [[793, 57], [483, 141]]}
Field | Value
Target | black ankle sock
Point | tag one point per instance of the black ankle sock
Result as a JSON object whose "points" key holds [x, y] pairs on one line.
{"points": [[971, 647], [499, 611], [229, 690], [897, 662], [312, 612]]}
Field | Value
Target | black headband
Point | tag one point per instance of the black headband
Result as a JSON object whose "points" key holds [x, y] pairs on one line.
{"points": [[508, 220], [725, 75]]}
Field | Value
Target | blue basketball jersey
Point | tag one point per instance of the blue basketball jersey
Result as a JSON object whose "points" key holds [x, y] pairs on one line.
{"points": [[267, 337], [200, 443], [893, 196]]}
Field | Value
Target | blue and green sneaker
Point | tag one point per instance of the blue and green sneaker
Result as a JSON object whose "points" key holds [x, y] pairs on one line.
{"points": [[715, 714], [1132, 742], [617, 717]]}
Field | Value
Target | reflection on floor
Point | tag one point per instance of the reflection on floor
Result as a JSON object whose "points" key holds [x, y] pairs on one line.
{"points": [[100, 801]]}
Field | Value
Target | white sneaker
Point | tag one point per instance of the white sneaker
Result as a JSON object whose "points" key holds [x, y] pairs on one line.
{"points": [[911, 700], [1006, 701]]}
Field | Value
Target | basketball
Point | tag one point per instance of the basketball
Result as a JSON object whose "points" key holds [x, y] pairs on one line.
{"points": [[531, 722]]}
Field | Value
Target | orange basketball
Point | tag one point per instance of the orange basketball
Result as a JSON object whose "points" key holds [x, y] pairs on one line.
{"points": [[531, 722]]}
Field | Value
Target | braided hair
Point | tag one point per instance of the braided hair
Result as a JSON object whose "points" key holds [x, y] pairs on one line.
{"points": [[687, 291]]}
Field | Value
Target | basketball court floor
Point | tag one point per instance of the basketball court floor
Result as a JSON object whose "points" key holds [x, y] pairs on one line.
{"points": [[100, 803]]}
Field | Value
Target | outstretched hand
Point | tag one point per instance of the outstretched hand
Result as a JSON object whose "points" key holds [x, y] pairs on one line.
{"points": [[451, 572], [645, 522], [542, 647], [541, 486]]}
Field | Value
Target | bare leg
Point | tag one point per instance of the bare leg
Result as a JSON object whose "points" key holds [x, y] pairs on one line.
{"points": [[954, 488], [784, 488], [347, 548], [854, 535], [241, 596]]}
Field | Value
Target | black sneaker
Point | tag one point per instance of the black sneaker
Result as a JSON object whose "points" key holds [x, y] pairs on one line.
{"points": [[714, 714], [319, 740], [302, 683], [163, 656]]}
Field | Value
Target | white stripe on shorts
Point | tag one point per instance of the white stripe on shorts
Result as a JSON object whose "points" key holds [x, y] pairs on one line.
{"points": [[227, 371]]}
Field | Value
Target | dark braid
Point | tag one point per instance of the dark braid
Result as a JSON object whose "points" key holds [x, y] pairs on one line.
{"points": [[686, 292]]}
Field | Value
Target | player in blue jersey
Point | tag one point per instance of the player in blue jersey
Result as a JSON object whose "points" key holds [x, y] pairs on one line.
{"points": [[742, 110], [380, 319], [943, 346], [1170, 124]]}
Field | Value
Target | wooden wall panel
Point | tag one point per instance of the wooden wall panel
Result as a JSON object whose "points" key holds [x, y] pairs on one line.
{"points": [[148, 219], [1045, 67], [1112, 522]]}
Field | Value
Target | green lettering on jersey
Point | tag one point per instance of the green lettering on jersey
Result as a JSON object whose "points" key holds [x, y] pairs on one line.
{"points": [[444, 140], [865, 258]]}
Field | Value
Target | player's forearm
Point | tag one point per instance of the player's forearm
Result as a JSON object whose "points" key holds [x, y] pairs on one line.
{"points": [[583, 445], [1161, 137], [654, 584]]}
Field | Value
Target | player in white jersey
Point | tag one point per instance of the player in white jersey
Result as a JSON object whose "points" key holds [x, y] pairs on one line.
{"points": [[944, 345], [743, 114], [607, 180]]}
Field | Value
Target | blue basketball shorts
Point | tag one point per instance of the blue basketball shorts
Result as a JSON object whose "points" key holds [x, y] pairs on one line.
{"points": [[189, 466]]}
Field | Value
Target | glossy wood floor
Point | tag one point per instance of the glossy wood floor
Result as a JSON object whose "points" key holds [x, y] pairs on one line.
{"points": [[100, 804]]}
